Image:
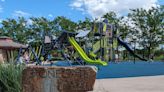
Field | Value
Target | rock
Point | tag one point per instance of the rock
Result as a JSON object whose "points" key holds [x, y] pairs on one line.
{"points": [[58, 79]]}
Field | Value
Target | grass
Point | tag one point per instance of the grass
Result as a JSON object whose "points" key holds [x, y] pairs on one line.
{"points": [[160, 57], [10, 77]]}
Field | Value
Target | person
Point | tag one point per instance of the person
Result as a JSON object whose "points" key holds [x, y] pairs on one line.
{"points": [[26, 57], [21, 59], [116, 58]]}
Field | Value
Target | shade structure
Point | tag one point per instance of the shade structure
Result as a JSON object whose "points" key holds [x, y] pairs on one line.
{"points": [[8, 49], [8, 43]]}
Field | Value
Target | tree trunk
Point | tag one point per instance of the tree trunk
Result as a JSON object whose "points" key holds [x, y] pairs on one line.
{"points": [[124, 55], [149, 51], [143, 53], [134, 56]]}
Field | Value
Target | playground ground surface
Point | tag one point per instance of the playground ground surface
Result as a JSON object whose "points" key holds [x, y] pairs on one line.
{"points": [[130, 84]]}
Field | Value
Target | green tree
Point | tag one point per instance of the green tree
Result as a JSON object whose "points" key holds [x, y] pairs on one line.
{"points": [[112, 18], [148, 27], [40, 27], [16, 29], [65, 24], [86, 24]]}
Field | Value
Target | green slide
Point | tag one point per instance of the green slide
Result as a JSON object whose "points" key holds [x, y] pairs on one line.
{"points": [[84, 55]]}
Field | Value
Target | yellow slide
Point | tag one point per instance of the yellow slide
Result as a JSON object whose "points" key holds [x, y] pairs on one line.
{"points": [[84, 55]]}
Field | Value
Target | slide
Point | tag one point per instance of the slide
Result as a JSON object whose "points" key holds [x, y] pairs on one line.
{"points": [[129, 49], [83, 54]]}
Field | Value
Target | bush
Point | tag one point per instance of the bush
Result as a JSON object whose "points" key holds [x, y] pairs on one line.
{"points": [[160, 57], [10, 77]]}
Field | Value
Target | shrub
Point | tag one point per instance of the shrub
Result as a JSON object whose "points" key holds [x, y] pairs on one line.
{"points": [[10, 77], [160, 57]]}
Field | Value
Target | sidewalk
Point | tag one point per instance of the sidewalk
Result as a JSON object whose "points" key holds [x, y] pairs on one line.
{"points": [[131, 84]]}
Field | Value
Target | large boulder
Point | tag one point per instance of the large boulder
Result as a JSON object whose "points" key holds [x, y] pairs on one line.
{"points": [[58, 79]]}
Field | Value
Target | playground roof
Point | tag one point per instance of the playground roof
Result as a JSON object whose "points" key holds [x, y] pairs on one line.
{"points": [[7, 43], [82, 33]]}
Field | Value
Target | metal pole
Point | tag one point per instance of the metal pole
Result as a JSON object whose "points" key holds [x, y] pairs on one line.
{"points": [[100, 39]]}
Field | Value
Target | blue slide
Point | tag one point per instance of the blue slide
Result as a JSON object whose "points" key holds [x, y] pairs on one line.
{"points": [[129, 49]]}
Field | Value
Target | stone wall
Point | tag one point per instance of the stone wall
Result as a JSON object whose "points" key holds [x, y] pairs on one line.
{"points": [[58, 79]]}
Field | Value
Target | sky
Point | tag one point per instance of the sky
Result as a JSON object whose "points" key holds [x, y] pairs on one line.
{"points": [[72, 9]]}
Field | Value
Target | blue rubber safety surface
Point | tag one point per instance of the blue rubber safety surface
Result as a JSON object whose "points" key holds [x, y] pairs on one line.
{"points": [[126, 69], [129, 69]]}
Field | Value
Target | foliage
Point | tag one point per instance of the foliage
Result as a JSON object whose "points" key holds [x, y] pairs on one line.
{"points": [[160, 57], [66, 24], [10, 77], [15, 29], [86, 24], [112, 18], [22, 31], [148, 27]]}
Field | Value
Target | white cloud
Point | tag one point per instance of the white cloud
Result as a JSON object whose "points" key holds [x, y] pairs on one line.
{"points": [[29, 22], [21, 14], [96, 8], [2, 0], [77, 3], [1, 20], [1, 9], [50, 15]]}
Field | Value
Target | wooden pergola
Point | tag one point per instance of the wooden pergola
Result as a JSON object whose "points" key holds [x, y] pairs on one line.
{"points": [[9, 49]]}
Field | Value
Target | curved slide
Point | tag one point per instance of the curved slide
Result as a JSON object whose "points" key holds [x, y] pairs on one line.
{"points": [[83, 54], [129, 49]]}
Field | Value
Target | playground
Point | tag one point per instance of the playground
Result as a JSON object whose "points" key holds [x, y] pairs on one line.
{"points": [[96, 48], [99, 47], [111, 53], [103, 53]]}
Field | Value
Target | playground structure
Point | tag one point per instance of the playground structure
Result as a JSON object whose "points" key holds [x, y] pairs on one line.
{"points": [[108, 42], [103, 38]]}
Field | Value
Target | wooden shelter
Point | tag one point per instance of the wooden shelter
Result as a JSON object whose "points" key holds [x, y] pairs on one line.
{"points": [[9, 49]]}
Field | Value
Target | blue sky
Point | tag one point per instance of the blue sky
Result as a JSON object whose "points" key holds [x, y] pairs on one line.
{"points": [[46, 8], [72, 9]]}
